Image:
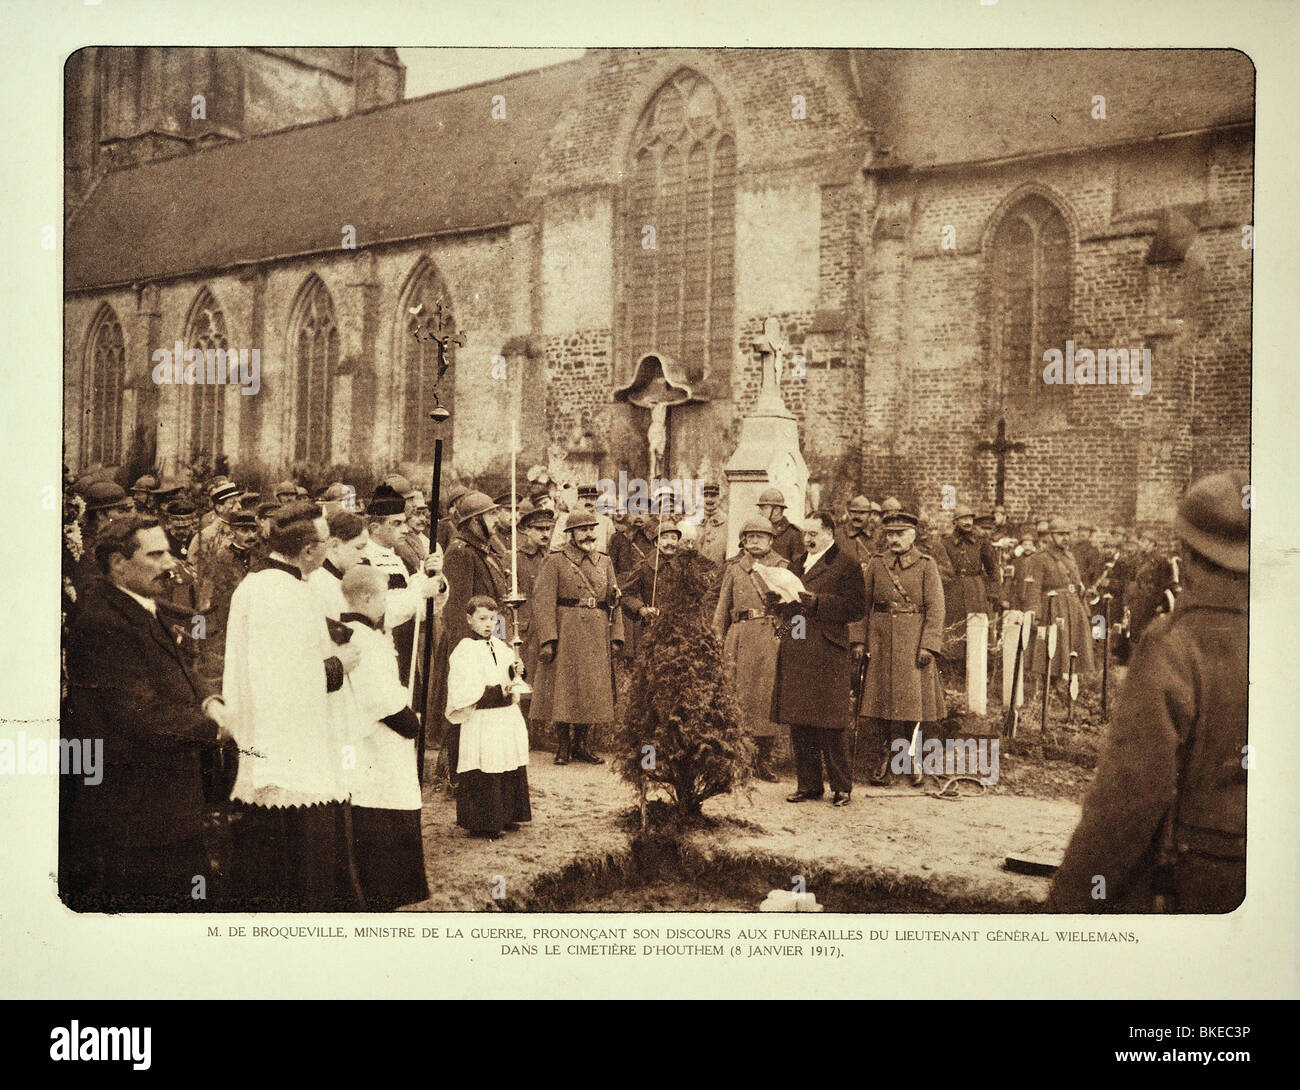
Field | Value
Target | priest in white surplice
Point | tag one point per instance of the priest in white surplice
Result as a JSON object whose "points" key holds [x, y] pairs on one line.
{"points": [[290, 820]]}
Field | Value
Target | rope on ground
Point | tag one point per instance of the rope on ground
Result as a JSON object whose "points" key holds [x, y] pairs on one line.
{"points": [[949, 791]]}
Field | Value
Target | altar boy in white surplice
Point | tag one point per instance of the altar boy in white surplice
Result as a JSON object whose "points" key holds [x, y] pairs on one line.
{"points": [[385, 783], [493, 757]]}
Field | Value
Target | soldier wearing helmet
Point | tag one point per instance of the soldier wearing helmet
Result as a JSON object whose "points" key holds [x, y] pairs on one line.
{"points": [[787, 538]]}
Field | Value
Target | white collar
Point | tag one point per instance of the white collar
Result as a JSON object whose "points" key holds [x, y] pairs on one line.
{"points": [[148, 603], [814, 557]]}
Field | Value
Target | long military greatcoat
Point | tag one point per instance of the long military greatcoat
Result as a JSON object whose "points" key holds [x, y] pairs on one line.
{"points": [[974, 576], [573, 599], [528, 562], [814, 675], [905, 600], [1054, 569], [750, 642], [1181, 718], [639, 586]]}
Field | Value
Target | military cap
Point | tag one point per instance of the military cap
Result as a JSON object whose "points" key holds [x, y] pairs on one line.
{"points": [[1058, 526], [104, 494], [538, 490], [146, 483], [455, 492], [579, 519], [267, 507], [286, 488], [712, 490], [901, 518], [757, 524], [472, 504], [891, 504], [95, 473], [336, 492], [386, 500], [531, 515], [771, 497], [249, 499], [244, 518], [224, 490], [1213, 519], [963, 511], [860, 505], [587, 492], [985, 519]]}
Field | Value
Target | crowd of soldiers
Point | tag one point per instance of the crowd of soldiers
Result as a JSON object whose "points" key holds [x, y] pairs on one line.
{"points": [[883, 598]]}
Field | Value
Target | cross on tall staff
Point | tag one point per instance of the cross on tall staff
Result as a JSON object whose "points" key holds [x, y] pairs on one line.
{"points": [[1001, 448], [439, 332]]}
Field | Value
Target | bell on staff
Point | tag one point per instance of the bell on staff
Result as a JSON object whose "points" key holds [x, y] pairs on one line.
{"points": [[439, 413]]}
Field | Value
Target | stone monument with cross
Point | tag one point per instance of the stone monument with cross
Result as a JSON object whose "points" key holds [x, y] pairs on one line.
{"points": [[768, 455]]}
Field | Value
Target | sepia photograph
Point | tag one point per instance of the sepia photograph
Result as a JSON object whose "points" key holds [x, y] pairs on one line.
{"points": [[651, 480]]}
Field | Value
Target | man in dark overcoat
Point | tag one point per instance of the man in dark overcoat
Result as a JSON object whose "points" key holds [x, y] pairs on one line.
{"points": [[134, 840], [1164, 825], [814, 671]]}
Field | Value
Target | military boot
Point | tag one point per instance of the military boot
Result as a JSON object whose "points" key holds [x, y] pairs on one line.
{"points": [[580, 750], [562, 748]]}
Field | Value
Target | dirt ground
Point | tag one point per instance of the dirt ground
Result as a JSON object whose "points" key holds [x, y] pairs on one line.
{"points": [[911, 849], [892, 849]]}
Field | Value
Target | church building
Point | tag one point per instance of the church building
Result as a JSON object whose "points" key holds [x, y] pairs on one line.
{"points": [[932, 229]]}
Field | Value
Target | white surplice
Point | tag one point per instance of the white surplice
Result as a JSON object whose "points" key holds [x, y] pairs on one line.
{"points": [[491, 739], [290, 731]]}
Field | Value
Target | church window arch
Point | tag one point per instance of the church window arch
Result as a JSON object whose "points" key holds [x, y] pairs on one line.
{"points": [[314, 348], [102, 390], [426, 291], [679, 280], [206, 331]]}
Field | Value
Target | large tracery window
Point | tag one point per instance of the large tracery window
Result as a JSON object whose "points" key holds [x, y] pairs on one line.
{"points": [[102, 391], [679, 229], [1031, 294], [420, 365], [206, 331], [315, 342]]}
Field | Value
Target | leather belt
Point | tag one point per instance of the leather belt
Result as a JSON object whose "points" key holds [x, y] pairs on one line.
{"points": [[889, 607], [582, 603], [747, 614]]}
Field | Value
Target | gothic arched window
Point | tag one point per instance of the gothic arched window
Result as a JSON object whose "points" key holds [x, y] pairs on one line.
{"points": [[105, 379], [206, 331], [679, 228], [315, 351], [420, 363], [1031, 293]]}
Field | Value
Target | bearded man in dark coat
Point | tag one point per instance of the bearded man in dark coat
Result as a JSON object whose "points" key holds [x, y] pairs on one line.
{"points": [[814, 672]]}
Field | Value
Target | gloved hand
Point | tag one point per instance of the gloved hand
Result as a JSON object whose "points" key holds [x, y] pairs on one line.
{"points": [[547, 653], [857, 650], [923, 658]]}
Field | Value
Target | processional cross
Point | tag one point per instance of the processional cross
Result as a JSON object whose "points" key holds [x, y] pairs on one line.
{"points": [[1001, 448], [439, 332]]}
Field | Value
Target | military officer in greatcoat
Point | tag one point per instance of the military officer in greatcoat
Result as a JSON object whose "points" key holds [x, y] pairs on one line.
{"points": [[1164, 825], [1052, 568], [972, 580], [905, 606], [788, 540], [535, 526], [640, 588], [579, 628], [712, 543], [746, 629]]}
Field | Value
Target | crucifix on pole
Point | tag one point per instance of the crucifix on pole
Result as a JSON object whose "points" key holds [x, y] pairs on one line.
{"points": [[1001, 448], [441, 335]]}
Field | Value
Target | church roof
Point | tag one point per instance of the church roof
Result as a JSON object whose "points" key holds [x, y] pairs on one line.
{"points": [[421, 167], [936, 107]]}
